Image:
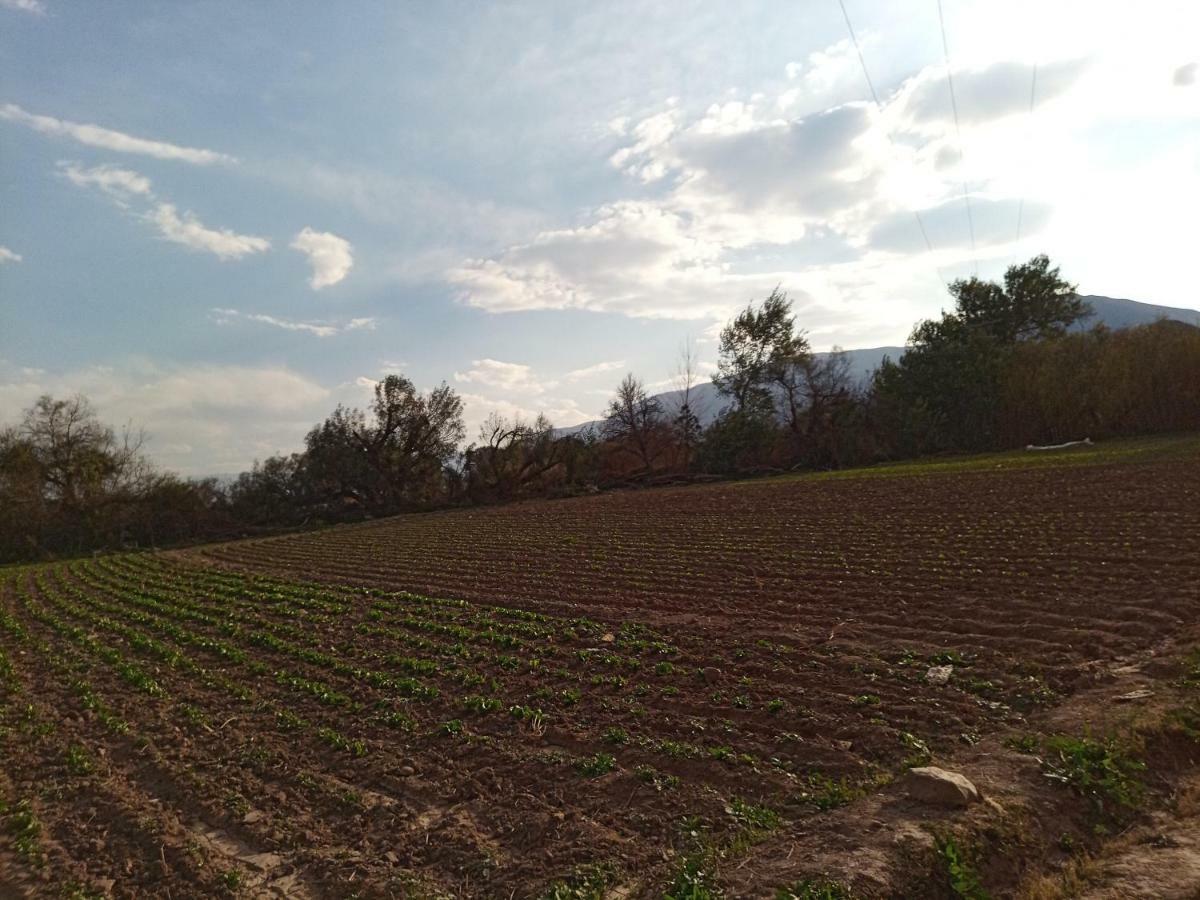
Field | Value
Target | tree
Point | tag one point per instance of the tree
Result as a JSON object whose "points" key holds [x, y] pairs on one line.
{"points": [[393, 458], [513, 457], [950, 376], [686, 423], [1034, 303], [831, 403], [634, 422], [757, 349]]}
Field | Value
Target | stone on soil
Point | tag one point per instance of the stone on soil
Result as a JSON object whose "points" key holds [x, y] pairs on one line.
{"points": [[940, 787]]}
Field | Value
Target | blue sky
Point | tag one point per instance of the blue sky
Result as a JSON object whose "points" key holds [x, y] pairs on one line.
{"points": [[219, 220]]}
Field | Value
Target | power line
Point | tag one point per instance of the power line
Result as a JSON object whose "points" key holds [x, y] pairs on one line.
{"points": [[1032, 99], [958, 132], [879, 108]]}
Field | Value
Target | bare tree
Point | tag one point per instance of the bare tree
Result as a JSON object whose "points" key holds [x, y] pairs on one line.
{"points": [[512, 455], [686, 422], [633, 422]]}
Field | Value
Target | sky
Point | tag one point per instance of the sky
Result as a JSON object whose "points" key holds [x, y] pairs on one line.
{"points": [[219, 220]]}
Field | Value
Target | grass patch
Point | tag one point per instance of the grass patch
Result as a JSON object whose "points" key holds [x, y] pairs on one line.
{"points": [[1104, 772], [587, 883], [961, 876]]}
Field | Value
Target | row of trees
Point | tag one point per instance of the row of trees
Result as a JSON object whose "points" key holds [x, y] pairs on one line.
{"points": [[1003, 368]]}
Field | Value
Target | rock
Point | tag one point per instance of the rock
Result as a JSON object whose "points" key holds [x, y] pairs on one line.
{"points": [[929, 784], [406, 771], [844, 746], [608, 638], [261, 861], [711, 674], [255, 815], [939, 674]]}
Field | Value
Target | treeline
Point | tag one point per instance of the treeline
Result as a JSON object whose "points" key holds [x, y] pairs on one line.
{"points": [[1003, 369]]}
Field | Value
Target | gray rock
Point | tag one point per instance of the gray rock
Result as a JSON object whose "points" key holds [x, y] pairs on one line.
{"points": [[939, 787], [939, 674]]}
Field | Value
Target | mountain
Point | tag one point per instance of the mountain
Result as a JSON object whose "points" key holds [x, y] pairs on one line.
{"points": [[1115, 313], [1126, 313]]}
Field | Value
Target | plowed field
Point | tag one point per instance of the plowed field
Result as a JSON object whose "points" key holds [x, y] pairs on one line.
{"points": [[536, 698]]}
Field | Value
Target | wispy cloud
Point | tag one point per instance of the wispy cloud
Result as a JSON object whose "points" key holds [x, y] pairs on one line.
{"points": [[192, 233], [598, 369], [106, 138], [114, 181], [330, 256], [8, 256], [34, 7], [223, 316], [124, 185]]}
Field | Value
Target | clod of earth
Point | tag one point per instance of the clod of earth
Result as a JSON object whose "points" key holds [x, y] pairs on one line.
{"points": [[939, 787], [711, 674]]}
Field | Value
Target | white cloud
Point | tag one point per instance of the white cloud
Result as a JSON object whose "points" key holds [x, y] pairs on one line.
{"points": [[200, 419], [503, 376], [124, 185], [35, 7], [329, 255], [8, 256], [118, 183], [224, 316], [598, 369], [96, 136], [191, 232], [1185, 75], [477, 408]]}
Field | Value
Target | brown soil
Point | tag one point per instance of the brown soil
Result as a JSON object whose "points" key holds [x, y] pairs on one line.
{"points": [[610, 667]]}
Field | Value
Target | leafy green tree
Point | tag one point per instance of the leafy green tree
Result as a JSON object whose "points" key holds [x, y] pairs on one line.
{"points": [[759, 348], [392, 457], [950, 377]]}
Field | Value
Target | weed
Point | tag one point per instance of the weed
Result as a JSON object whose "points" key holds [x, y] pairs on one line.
{"points": [[962, 878], [453, 727], [1101, 771], [232, 879], [693, 881], [587, 883], [920, 750], [947, 658], [825, 793], [814, 889], [1023, 743]]}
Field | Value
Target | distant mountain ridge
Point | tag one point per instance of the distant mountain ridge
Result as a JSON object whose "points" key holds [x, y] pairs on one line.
{"points": [[1113, 312]]}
